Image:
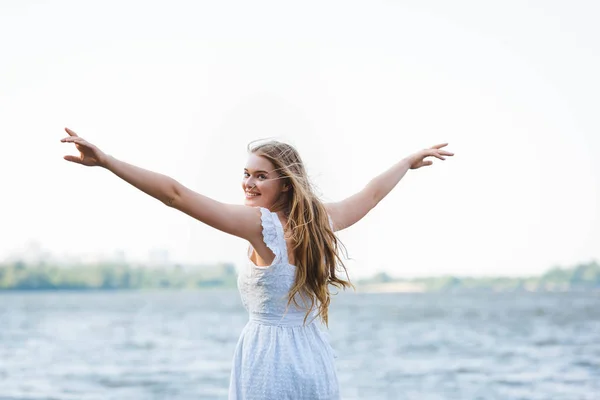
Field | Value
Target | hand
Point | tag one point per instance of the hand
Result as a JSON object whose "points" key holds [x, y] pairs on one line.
{"points": [[417, 160], [90, 155]]}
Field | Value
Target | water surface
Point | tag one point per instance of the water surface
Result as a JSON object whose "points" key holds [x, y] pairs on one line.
{"points": [[179, 345]]}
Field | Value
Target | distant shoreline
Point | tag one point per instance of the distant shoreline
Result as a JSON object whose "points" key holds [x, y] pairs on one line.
{"points": [[404, 287], [106, 277], [391, 287], [383, 288]]}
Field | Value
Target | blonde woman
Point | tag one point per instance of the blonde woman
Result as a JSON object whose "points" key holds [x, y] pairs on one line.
{"points": [[293, 257]]}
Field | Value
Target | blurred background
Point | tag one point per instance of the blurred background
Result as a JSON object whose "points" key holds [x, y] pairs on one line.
{"points": [[477, 277]]}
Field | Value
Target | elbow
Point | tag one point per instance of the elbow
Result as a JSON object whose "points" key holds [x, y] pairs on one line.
{"points": [[172, 195], [374, 195], [170, 201], [375, 199], [374, 203]]}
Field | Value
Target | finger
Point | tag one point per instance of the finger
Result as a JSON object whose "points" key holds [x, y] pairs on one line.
{"points": [[423, 164], [73, 159], [76, 140], [439, 146], [435, 154], [446, 153], [70, 132]]}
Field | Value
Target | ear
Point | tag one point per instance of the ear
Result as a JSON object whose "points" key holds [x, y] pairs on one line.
{"points": [[285, 188]]}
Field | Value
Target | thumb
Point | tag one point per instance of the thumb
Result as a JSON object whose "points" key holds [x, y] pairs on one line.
{"points": [[74, 159]]}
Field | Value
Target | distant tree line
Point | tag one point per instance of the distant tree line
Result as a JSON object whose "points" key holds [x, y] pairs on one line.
{"points": [[18, 275], [584, 276]]}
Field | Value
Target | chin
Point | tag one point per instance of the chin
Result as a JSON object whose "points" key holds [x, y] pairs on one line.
{"points": [[252, 202]]}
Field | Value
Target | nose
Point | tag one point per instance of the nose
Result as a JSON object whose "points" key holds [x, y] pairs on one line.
{"points": [[250, 182]]}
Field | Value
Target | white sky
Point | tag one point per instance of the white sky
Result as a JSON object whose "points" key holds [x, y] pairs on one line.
{"points": [[182, 87]]}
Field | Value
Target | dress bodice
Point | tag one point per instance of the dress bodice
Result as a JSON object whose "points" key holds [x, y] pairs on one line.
{"points": [[264, 290]]}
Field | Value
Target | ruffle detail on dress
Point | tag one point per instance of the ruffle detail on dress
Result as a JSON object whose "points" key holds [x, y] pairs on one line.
{"points": [[269, 233]]}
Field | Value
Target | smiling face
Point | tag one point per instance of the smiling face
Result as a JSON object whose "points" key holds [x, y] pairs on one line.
{"points": [[260, 184]]}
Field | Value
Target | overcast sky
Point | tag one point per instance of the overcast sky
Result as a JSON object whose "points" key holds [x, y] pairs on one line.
{"points": [[182, 87]]}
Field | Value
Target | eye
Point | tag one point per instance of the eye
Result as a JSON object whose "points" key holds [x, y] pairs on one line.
{"points": [[246, 174], [262, 176]]}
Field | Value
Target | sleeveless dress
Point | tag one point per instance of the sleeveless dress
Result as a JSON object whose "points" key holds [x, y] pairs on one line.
{"points": [[276, 357]]}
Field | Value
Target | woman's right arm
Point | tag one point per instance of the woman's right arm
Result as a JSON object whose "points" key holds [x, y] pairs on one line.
{"points": [[159, 186], [238, 220]]}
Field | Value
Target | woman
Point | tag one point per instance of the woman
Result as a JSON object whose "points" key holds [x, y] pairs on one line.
{"points": [[293, 254]]}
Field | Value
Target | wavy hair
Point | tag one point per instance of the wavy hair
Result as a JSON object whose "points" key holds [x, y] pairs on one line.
{"points": [[316, 248]]}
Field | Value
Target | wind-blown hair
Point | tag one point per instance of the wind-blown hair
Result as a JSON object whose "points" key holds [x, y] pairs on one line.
{"points": [[316, 247]]}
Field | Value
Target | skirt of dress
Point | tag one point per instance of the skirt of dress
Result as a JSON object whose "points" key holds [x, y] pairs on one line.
{"points": [[283, 362]]}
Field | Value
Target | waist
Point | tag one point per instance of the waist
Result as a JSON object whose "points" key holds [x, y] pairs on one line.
{"points": [[289, 319]]}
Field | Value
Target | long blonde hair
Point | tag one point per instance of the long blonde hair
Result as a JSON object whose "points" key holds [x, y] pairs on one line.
{"points": [[316, 248]]}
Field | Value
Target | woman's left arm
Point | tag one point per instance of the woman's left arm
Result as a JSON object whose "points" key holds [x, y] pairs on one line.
{"points": [[349, 211]]}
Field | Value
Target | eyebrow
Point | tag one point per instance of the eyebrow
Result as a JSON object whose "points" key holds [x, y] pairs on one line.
{"points": [[246, 169]]}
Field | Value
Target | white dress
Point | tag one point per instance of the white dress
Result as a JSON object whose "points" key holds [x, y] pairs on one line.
{"points": [[276, 357]]}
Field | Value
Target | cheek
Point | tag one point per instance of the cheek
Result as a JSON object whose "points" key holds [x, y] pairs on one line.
{"points": [[273, 189], [266, 188]]}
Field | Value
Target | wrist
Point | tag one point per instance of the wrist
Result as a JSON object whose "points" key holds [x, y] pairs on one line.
{"points": [[106, 161], [409, 161]]}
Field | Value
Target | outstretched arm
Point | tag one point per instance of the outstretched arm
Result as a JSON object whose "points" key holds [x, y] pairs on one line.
{"points": [[238, 220], [349, 211]]}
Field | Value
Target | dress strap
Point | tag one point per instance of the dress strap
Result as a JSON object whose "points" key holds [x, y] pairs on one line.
{"points": [[273, 235], [281, 238]]}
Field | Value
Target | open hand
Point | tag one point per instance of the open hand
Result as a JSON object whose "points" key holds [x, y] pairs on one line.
{"points": [[90, 155], [417, 160]]}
